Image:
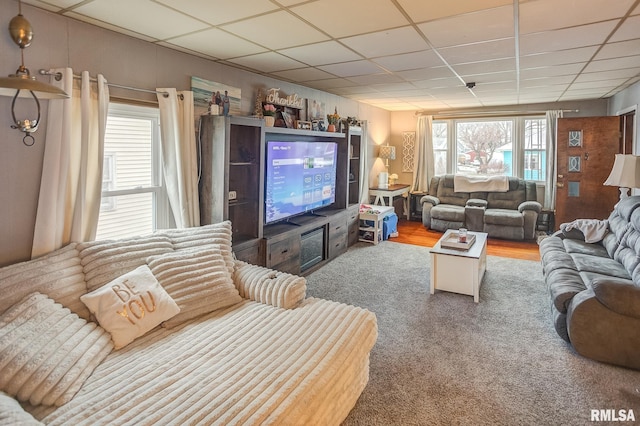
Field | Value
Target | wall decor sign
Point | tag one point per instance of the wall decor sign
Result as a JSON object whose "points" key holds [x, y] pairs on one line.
{"points": [[315, 110], [408, 150], [214, 98], [291, 101]]}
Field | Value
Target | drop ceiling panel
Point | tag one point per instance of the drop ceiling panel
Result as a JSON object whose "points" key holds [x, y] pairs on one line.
{"points": [[218, 43], [569, 69], [381, 78], [614, 64], [328, 52], [409, 61], [606, 75], [349, 69], [159, 21], [568, 38], [340, 18], [485, 67], [438, 83], [303, 75], [535, 16], [619, 49], [629, 29], [474, 27], [496, 49], [267, 62], [297, 32], [560, 57], [388, 42], [426, 74], [215, 13], [443, 9]]}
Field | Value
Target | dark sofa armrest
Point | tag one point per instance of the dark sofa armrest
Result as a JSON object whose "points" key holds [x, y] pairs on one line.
{"points": [[430, 199], [619, 295], [477, 202], [530, 205]]}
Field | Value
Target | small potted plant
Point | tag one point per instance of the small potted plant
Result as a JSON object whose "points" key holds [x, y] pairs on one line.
{"points": [[269, 112], [333, 120]]}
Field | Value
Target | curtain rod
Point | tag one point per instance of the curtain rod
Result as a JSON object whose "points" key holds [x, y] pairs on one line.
{"points": [[58, 77], [481, 113]]}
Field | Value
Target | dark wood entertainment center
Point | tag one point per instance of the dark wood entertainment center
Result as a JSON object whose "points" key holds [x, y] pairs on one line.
{"points": [[232, 158]]}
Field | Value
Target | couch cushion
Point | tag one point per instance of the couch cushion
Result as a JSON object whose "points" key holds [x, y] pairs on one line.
{"points": [[600, 265], [46, 351], [204, 236], [503, 217], [197, 279], [577, 246], [448, 212], [58, 274], [11, 413], [564, 284], [103, 261], [131, 305], [507, 200]]}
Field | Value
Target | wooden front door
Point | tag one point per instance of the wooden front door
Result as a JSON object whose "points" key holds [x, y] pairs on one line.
{"points": [[586, 151]]}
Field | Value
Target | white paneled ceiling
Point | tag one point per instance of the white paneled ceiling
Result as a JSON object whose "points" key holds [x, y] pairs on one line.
{"points": [[399, 54]]}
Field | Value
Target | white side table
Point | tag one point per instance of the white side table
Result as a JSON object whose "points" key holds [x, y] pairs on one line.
{"points": [[376, 215], [393, 191]]}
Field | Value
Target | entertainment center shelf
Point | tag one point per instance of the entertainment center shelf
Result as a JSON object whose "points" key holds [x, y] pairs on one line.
{"points": [[233, 155]]}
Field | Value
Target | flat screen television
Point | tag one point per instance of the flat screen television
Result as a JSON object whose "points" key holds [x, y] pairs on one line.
{"points": [[300, 178]]}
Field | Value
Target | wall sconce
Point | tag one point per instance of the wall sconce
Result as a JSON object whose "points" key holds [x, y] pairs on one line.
{"points": [[22, 84], [625, 173]]}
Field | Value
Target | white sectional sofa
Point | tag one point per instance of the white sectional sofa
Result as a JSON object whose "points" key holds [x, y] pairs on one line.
{"points": [[246, 347]]}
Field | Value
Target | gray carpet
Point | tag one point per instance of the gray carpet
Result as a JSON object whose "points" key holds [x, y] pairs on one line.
{"points": [[442, 359]]}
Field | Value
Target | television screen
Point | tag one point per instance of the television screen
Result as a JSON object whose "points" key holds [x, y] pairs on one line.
{"points": [[300, 177]]}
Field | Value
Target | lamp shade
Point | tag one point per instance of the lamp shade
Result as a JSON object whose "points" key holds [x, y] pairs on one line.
{"points": [[9, 86], [387, 152], [625, 172]]}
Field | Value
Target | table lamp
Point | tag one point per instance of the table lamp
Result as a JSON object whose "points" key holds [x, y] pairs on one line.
{"points": [[625, 173], [386, 153]]}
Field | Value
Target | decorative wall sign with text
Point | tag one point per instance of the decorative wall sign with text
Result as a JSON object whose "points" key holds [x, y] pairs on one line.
{"points": [[291, 101]]}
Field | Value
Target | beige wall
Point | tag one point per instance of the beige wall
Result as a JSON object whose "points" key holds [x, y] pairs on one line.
{"points": [[64, 42]]}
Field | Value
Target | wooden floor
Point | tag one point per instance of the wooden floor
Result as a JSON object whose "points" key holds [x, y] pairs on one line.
{"points": [[413, 232]]}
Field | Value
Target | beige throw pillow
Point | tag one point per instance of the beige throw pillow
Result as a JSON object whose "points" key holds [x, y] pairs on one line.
{"points": [[46, 351], [130, 305], [197, 279]]}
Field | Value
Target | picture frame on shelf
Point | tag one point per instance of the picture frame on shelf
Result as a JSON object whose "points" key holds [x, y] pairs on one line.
{"points": [[288, 120], [303, 125]]}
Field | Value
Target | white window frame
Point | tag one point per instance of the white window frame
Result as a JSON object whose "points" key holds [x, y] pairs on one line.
{"points": [[162, 218], [518, 143]]}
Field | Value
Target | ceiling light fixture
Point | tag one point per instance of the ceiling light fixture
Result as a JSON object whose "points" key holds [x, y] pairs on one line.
{"points": [[22, 84]]}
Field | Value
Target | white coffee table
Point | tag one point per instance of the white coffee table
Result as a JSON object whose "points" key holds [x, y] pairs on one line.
{"points": [[459, 271]]}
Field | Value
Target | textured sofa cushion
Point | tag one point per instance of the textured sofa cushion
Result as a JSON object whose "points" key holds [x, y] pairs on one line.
{"points": [[448, 212], [47, 352], [103, 261], [131, 305], [11, 413], [58, 274], [197, 279], [267, 286], [204, 236], [503, 217]]}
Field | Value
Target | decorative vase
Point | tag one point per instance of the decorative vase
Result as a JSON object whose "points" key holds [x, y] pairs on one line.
{"points": [[269, 120], [331, 128]]}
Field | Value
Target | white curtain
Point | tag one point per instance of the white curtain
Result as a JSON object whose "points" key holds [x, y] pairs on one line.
{"points": [[424, 168], [552, 161], [364, 167], [179, 158], [71, 183]]}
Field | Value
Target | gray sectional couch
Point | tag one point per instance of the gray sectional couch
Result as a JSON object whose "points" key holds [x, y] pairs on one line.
{"points": [[595, 287], [509, 215]]}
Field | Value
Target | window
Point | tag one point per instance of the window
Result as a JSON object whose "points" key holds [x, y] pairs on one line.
{"points": [[134, 199], [535, 142], [508, 146], [484, 147]]}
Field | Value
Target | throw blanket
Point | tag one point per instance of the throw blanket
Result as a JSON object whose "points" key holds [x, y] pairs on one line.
{"points": [[480, 183], [594, 230]]}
